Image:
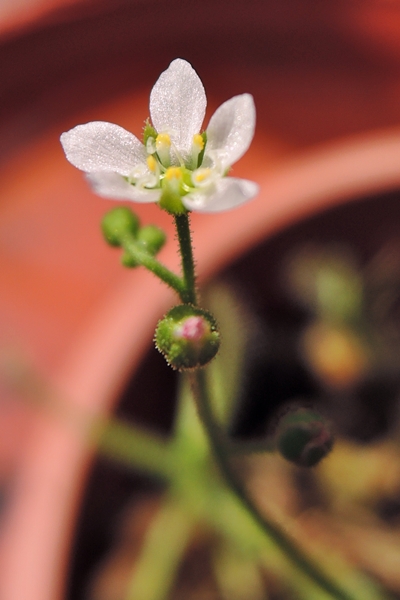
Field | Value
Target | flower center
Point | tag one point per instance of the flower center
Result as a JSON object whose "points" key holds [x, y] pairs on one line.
{"points": [[173, 173], [162, 171]]}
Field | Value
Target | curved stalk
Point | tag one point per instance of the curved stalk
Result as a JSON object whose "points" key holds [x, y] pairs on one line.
{"points": [[220, 446], [217, 441], [147, 260]]}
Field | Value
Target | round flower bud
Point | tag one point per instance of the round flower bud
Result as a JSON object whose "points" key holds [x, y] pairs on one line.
{"points": [[304, 437], [117, 223], [188, 337], [152, 237]]}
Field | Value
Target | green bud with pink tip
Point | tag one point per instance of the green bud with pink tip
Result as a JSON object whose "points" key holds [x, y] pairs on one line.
{"points": [[188, 337]]}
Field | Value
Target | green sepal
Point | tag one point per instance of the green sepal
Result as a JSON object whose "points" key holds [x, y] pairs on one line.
{"points": [[148, 132], [172, 202]]}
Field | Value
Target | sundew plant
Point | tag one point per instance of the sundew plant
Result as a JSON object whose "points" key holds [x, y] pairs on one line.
{"points": [[183, 168]]}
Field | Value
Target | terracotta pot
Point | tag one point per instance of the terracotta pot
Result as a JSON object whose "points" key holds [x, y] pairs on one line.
{"points": [[37, 533]]}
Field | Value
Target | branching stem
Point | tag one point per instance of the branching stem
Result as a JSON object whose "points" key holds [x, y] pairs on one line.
{"points": [[220, 445]]}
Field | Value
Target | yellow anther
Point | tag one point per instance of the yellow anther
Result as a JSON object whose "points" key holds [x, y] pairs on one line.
{"points": [[198, 141], [173, 173], [163, 140], [201, 175], [163, 147], [151, 163]]}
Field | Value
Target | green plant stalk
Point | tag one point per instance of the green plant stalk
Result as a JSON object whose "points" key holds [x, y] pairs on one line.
{"points": [[186, 289], [217, 439], [182, 225], [164, 546], [217, 442], [147, 260], [134, 447]]}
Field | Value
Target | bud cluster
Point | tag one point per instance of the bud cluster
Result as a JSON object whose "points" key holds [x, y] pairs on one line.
{"points": [[122, 224]]}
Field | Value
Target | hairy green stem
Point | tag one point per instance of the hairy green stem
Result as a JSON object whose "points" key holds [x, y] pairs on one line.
{"points": [[185, 248], [217, 442], [220, 445], [147, 260]]}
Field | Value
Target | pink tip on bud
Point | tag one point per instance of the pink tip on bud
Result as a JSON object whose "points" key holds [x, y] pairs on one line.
{"points": [[192, 329]]}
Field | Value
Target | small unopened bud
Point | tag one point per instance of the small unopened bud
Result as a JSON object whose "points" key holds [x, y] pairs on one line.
{"points": [[304, 437], [188, 337], [152, 237], [118, 223]]}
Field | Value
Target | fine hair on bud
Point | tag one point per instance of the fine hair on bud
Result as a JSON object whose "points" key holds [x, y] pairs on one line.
{"points": [[188, 337]]}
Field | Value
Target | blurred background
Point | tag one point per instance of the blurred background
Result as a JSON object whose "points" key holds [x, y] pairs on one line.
{"points": [[321, 73]]}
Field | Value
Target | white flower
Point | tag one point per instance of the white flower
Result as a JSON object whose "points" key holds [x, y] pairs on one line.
{"points": [[176, 165]]}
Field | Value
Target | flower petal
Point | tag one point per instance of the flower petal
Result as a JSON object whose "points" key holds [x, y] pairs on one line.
{"points": [[178, 104], [112, 185], [231, 129], [101, 146], [227, 193]]}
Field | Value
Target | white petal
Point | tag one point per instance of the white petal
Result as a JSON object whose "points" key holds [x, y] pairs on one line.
{"points": [[178, 103], [231, 129], [227, 193], [112, 185], [100, 146]]}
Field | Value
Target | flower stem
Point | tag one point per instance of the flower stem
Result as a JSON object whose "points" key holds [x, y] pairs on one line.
{"points": [[145, 259], [221, 447], [218, 445], [185, 248], [134, 447], [165, 543]]}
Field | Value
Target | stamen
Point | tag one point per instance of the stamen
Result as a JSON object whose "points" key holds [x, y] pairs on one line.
{"points": [[200, 175], [198, 141], [173, 173], [152, 163], [163, 138], [163, 146], [197, 148]]}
